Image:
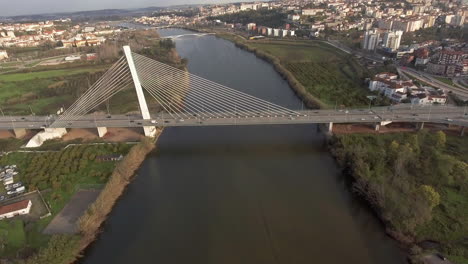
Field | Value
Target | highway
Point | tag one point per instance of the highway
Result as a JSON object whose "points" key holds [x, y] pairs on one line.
{"points": [[427, 78], [402, 113]]}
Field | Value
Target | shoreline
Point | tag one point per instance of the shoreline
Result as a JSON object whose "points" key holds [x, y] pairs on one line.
{"points": [[90, 224]]}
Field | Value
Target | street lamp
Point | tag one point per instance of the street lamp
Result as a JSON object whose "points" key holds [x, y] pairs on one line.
{"points": [[371, 98]]}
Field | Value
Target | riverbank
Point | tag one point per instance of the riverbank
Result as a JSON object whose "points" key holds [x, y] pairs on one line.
{"points": [[309, 100], [65, 248], [416, 184], [321, 75]]}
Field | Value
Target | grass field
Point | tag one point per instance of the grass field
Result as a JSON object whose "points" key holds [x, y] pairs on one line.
{"points": [[445, 80], [44, 91], [12, 235], [326, 72]]}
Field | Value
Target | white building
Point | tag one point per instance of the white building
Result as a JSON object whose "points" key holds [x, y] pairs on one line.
{"points": [[312, 12], [276, 32], [392, 39], [14, 209], [3, 55], [294, 17], [389, 85], [370, 41], [269, 31], [88, 29], [251, 26], [422, 99], [245, 7]]}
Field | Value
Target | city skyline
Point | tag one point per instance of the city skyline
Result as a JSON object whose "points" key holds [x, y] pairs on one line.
{"points": [[31, 7]]}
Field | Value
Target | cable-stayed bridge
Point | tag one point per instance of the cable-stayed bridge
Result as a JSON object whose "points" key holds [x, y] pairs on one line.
{"points": [[189, 100]]}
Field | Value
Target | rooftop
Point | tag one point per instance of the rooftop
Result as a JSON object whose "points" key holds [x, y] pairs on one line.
{"points": [[14, 207]]}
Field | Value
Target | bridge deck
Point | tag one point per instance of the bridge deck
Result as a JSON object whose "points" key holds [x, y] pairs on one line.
{"points": [[445, 115]]}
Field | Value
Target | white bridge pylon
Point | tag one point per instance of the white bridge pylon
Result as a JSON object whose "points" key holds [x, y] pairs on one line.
{"points": [[181, 94]]}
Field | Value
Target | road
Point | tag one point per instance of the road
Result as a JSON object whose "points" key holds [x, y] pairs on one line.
{"points": [[462, 93], [401, 113], [433, 259]]}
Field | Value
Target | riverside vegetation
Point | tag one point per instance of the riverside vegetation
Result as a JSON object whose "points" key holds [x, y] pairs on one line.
{"points": [[321, 75], [416, 182]]}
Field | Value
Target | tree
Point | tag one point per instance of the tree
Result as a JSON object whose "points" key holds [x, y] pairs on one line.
{"points": [[440, 139], [429, 194]]}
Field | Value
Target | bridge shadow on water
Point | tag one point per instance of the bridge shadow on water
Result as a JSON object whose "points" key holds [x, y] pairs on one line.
{"points": [[245, 140]]}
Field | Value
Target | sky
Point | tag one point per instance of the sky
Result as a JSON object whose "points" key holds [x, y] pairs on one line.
{"points": [[28, 7]]}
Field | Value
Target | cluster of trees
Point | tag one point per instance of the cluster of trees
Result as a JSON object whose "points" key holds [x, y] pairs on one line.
{"points": [[435, 33], [263, 17], [62, 170], [415, 182], [60, 249]]}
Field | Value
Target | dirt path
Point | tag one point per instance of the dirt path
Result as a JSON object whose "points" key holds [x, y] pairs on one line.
{"points": [[65, 221]]}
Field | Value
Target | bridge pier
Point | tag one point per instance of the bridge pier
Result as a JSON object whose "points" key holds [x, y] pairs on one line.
{"points": [[330, 128], [150, 131], [420, 126], [19, 132], [102, 131], [47, 134], [377, 127]]}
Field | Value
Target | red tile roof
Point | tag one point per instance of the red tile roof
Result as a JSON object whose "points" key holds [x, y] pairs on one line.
{"points": [[14, 207]]}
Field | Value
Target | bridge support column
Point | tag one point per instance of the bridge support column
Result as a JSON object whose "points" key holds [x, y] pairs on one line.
{"points": [[377, 127], [330, 128], [420, 126], [462, 131], [47, 134], [19, 132], [102, 131], [150, 131], [58, 131]]}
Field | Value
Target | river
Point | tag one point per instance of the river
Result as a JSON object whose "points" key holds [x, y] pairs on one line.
{"points": [[240, 195]]}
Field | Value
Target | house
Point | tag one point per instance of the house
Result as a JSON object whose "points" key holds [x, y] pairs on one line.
{"points": [[423, 99], [114, 157], [14, 209], [3, 54], [388, 84]]}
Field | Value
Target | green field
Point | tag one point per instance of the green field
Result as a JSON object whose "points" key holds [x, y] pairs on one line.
{"points": [[12, 235], [445, 80], [44, 91], [327, 73]]}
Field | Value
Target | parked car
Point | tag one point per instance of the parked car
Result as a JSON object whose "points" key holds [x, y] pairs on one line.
{"points": [[21, 189], [442, 257]]}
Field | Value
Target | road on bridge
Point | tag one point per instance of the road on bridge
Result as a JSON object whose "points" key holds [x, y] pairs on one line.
{"points": [[402, 113]]}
